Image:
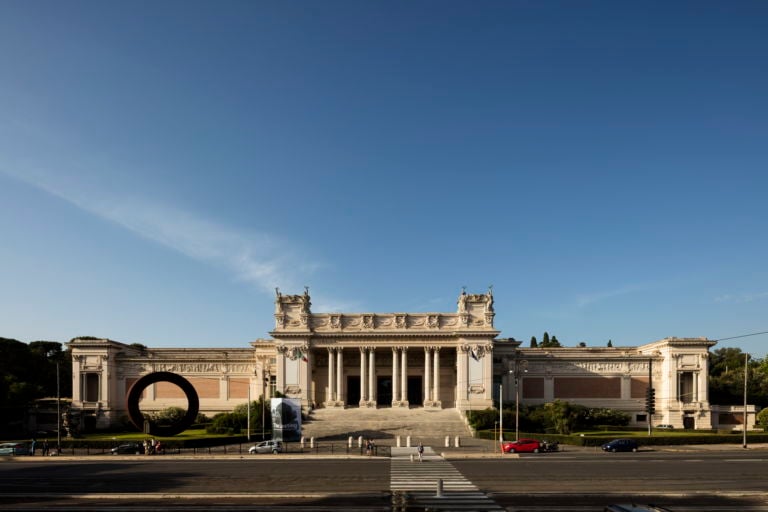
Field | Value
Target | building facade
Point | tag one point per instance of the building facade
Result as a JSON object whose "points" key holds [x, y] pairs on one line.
{"points": [[403, 360]]}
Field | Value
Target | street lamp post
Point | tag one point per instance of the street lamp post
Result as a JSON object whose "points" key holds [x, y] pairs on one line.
{"points": [[744, 429], [521, 366], [501, 413], [58, 412]]}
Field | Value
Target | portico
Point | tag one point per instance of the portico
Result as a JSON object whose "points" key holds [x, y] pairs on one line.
{"points": [[386, 360]]}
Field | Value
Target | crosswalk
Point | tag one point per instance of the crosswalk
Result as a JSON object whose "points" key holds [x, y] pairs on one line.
{"points": [[433, 484]]}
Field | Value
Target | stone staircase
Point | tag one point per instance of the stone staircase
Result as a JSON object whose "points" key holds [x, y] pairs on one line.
{"points": [[385, 424]]}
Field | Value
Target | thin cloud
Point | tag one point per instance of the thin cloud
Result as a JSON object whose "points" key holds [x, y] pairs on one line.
{"points": [[588, 299], [741, 298], [256, 258]]}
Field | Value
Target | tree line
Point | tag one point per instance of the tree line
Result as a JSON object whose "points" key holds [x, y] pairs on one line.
{"points": [[28, 373]]}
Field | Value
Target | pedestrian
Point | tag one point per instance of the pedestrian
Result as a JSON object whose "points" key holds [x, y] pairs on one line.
{"points": [[32, 446], [420, 449], [45, 447]]}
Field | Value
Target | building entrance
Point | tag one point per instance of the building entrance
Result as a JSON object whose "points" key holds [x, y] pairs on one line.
{"points": [[415, 391], [384, 391], [353, 390]]}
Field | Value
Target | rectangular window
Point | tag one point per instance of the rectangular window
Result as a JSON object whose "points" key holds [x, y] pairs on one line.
{"points": [[272, 385], [687, 389], [641, 418], [91, 387]]}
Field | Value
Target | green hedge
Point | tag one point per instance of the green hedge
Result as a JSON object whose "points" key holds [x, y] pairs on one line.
{"points": [[643, 440], [661, 440]]}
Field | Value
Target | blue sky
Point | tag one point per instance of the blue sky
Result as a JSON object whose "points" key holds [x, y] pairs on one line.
{"points": [[165, 165]]}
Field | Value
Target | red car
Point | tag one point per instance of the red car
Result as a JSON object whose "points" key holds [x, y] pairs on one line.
{"points": [[522, 445]]}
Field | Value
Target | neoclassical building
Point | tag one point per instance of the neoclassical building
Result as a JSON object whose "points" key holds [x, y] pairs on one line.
{"points": [[404, 360]]}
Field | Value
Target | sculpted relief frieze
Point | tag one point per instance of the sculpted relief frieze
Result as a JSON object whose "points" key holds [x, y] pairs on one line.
{"points": [[561, 367], [192, 367], [324, 322]]}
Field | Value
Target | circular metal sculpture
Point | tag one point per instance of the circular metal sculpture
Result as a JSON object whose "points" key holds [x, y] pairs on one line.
{"points": [[137, 417]]}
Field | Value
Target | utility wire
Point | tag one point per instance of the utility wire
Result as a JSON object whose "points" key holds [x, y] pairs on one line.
{"points": [[742, 336]]}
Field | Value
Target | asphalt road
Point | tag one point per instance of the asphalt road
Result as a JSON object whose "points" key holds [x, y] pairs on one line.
{"points": [[711, 481]]}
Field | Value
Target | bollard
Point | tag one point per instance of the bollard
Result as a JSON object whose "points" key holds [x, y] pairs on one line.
{"points": [[303, 440], [411, 457], [311, 442], [349, 442], [398, 441], [408, 441], [360, 442], [447, 441], [458, 444], [439, 488]]}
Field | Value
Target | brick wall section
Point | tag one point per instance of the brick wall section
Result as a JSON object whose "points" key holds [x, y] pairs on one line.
{"points": [[533, 387], [205, 387], [238, 388], [588, 387], [639, 387], [129, 383]]}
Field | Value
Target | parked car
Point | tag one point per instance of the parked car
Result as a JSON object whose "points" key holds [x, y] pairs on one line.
{"points": [[620, 445], [665, 426], [522, 446], [128, 448], [14, 449], [267, 447]]}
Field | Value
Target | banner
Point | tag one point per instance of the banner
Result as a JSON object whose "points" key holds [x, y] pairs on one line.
{"points": [[286, 419]]}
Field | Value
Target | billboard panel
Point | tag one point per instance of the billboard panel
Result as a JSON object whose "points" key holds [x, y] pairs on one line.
{"points": [[286, 419]]}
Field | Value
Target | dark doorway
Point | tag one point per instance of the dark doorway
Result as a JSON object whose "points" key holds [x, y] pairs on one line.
{"points": [[688, 422], [384, 391], [353, 390], [415, 396]]}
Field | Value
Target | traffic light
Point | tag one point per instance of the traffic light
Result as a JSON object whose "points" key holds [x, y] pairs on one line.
{"points": [[650, 401]]}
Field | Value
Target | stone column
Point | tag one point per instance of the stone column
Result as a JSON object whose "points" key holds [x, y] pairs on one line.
{"points": [[436, 376], [363, 380], [462, 386], [427, 377], [404, 379], [395, 377], [330, 395], [372, 376], [339, 376]]}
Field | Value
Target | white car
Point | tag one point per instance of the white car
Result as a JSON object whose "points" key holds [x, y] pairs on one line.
{"points": [[14, 449], [267, 447]]}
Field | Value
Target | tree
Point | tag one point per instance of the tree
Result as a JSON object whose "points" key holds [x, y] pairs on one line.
{"points": [[726, 378], [582, 344], [545, 340], [762, 419], [553, 342], [534, 343], [28, 372], [610, 344]]}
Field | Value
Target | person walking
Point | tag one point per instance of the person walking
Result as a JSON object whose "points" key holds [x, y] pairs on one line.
{"points": [[420, 449], [45, 447]]}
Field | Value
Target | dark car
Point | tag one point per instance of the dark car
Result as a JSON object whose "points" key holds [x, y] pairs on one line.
{"points": [[620, 445], [631, 507], [522, 445], [128, 448]]}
